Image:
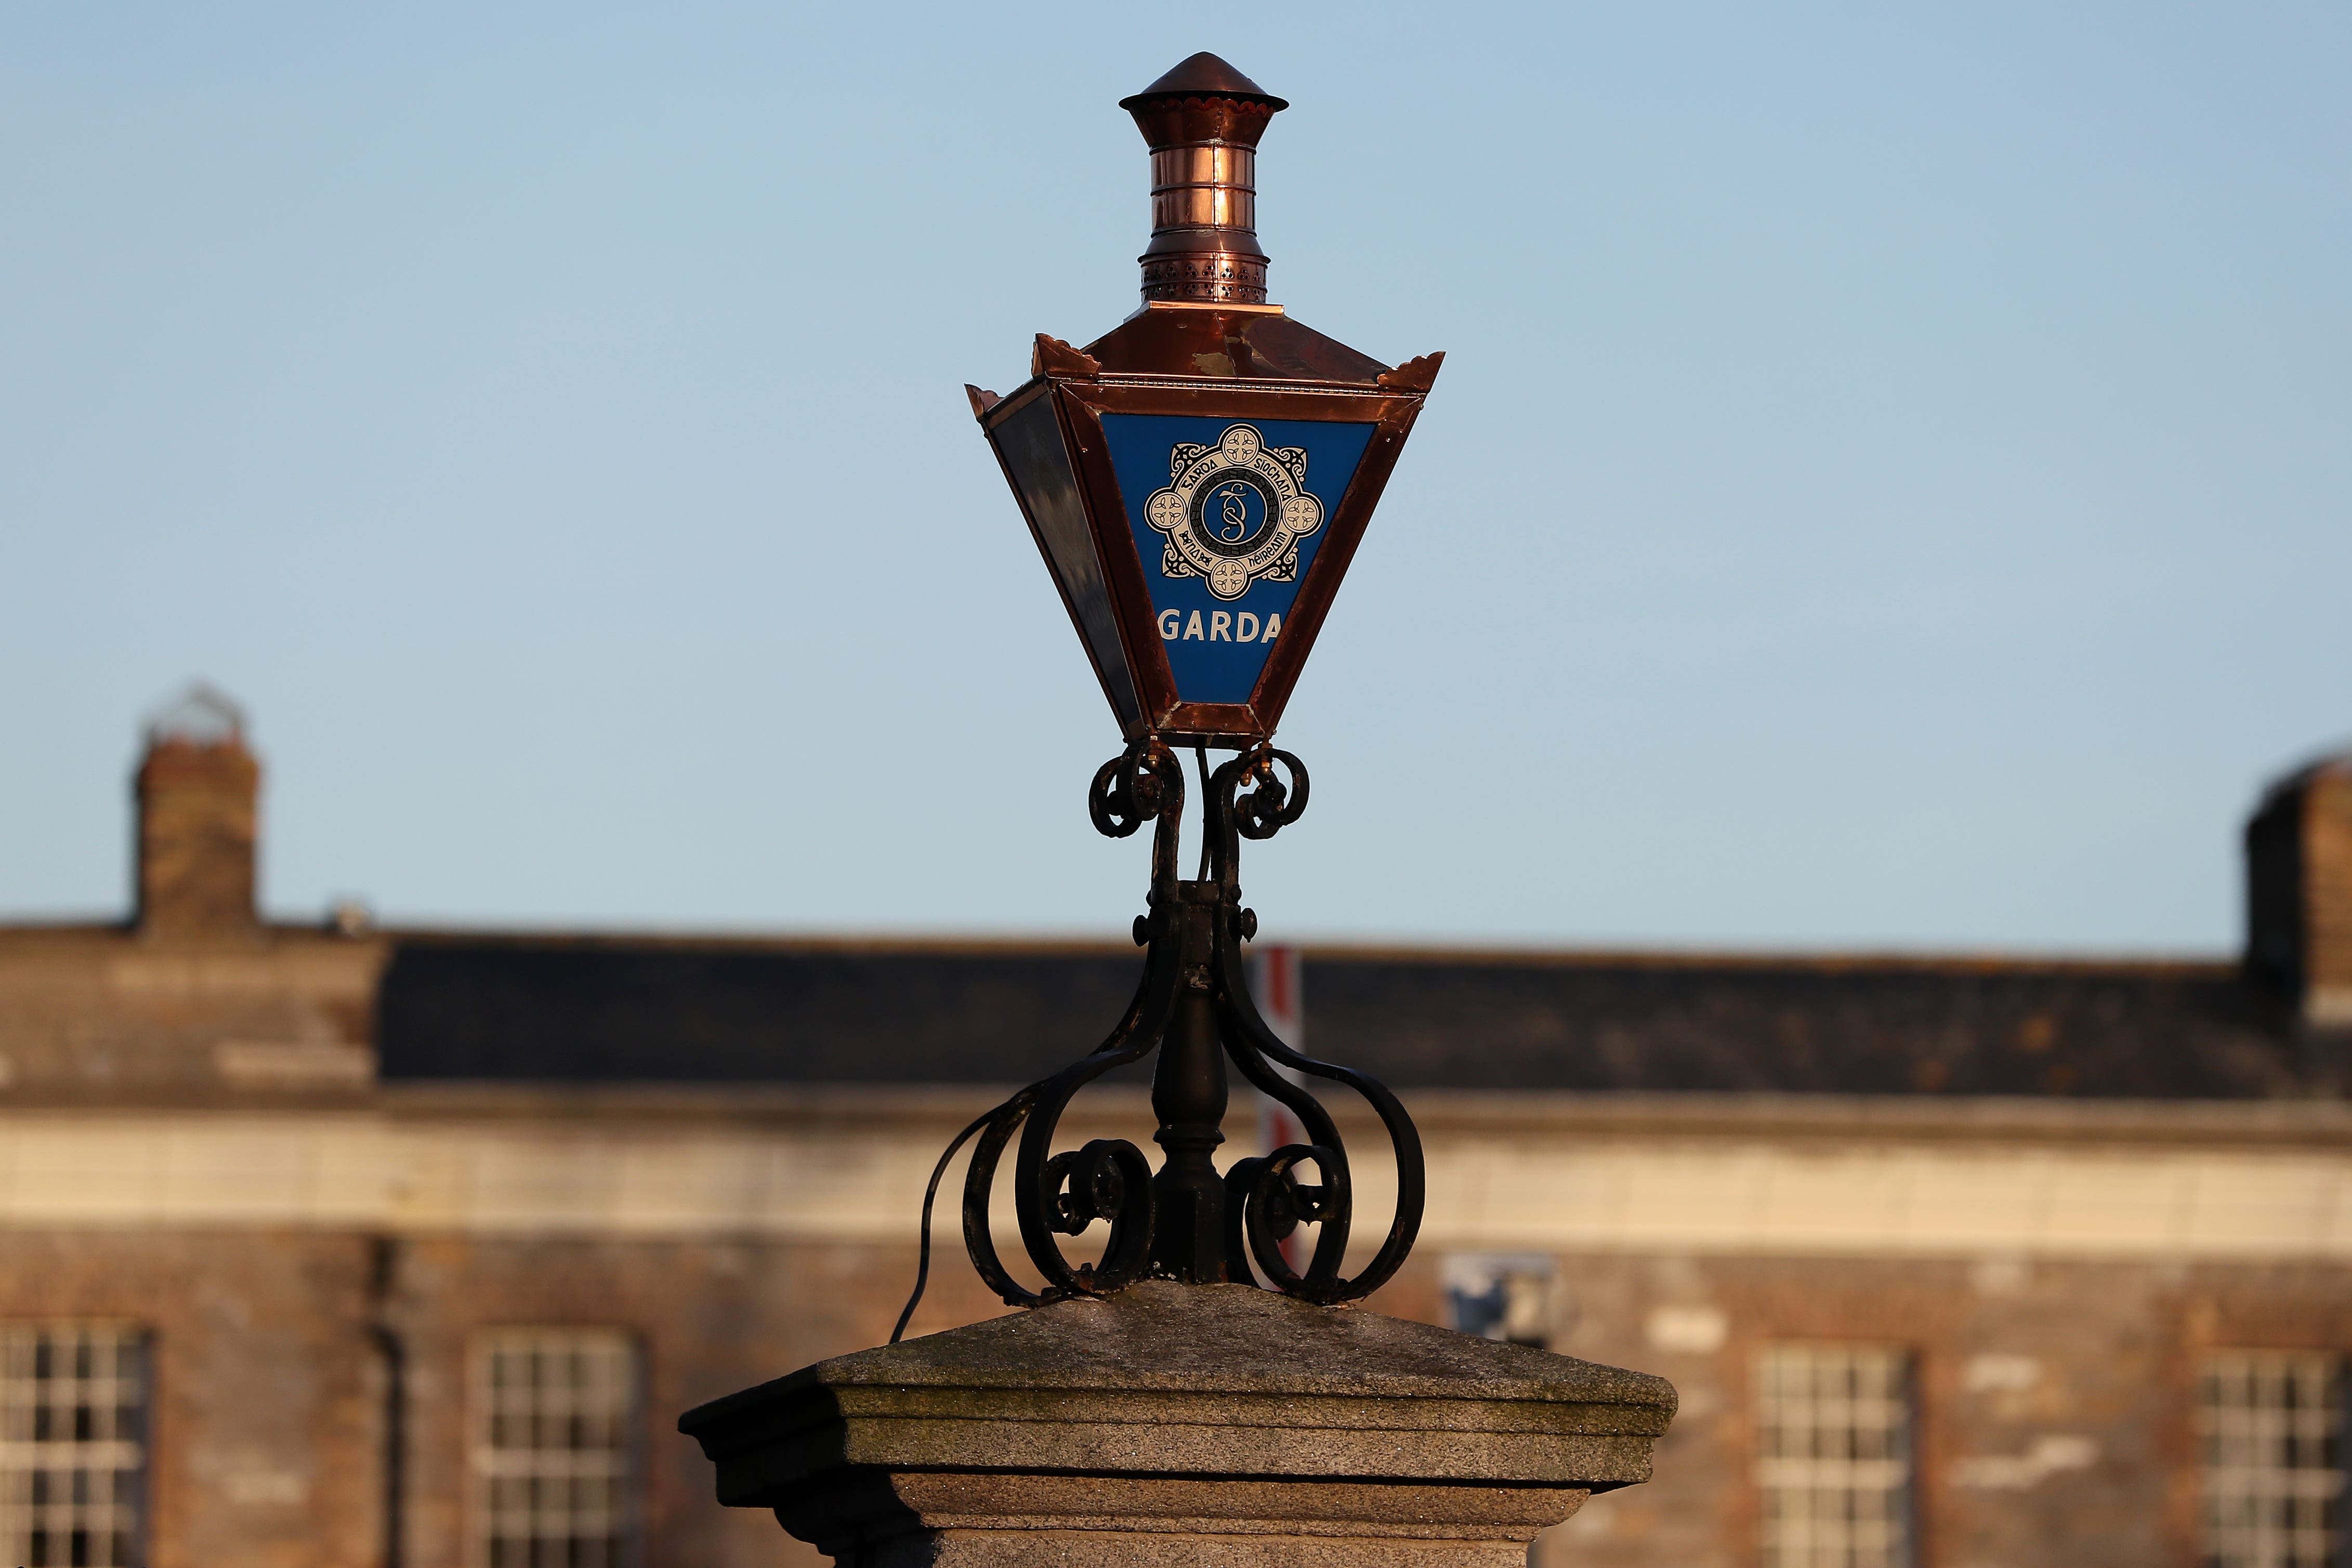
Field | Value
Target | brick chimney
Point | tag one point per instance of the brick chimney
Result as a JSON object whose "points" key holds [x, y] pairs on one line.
{"points": [[2299, 891], [198, 791]]}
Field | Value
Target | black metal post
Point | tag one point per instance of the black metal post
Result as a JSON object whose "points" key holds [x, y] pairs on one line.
{"points": [[1188, 1094]]}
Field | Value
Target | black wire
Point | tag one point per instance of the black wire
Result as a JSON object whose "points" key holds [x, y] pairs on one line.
{"points": [[923, 1268]]}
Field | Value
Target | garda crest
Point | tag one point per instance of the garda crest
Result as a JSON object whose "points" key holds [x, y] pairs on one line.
{"points": [[1234, 513]]}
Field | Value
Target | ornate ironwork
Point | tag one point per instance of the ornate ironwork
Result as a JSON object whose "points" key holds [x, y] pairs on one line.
{"points": [[1188, 1221]]}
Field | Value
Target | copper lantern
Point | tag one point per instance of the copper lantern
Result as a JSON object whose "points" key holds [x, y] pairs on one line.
{"points": [[1198, 478]]}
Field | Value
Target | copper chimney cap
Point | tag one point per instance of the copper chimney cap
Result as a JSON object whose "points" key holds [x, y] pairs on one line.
{"points": [[1203, 75], [1201, 121]]}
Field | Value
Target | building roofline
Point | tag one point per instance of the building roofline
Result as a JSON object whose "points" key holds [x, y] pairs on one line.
{"points": [[1831, 961], [2193, 966], [2281, 1125]]}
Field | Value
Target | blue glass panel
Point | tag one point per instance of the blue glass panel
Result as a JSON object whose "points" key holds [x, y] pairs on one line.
{"points": [[1228, 513]]}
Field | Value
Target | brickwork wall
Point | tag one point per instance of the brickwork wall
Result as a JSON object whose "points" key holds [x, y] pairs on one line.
{"points": [[711, 1317], [269, 1407], [2006, 1354], [101, 1017], [264, 1400]]}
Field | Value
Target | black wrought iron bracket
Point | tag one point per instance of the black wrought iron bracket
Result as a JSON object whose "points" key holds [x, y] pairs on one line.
{"points": [[1188, 1221]]}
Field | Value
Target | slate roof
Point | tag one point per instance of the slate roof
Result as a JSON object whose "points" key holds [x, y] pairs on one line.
{"points": [[649, 1010]]}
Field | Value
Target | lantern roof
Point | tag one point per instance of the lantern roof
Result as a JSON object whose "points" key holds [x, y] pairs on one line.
{"points": [[1251, 344], [1204, 75]]}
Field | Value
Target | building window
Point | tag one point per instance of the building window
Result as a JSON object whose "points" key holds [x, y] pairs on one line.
{"points": [[73, 1454], [555, 1451], [2271, 1428], [1833, 1456]]}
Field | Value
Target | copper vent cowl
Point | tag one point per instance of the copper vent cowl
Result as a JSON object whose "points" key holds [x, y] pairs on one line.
{"points": [[1201, 121]]}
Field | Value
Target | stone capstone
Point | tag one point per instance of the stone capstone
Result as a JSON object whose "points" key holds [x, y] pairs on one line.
{"points": [[1183, 1423]]}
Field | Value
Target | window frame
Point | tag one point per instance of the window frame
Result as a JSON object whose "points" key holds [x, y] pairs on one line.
{"points": [[123, 1337], [1904, 1547], [2334, 1380], [481, 1509]]}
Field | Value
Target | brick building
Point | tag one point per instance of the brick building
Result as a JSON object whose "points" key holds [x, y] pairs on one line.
{"points": [[328, 1246]]}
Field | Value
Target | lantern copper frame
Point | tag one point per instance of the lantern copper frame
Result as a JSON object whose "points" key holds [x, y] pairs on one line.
{"points": [[1083, 389]]}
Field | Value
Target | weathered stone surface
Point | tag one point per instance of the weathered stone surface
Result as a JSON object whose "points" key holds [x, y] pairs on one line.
{"points": [[1174, 1425]]}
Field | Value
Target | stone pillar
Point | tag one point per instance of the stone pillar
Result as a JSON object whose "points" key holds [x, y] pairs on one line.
{"points": [[1178, 1424]]}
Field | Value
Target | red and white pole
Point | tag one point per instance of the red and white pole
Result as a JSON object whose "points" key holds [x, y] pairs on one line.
{"points": [[1274, 975]]}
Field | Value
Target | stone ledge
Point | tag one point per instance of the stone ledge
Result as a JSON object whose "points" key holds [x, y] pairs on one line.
{"points": [[1224, 1340], [1177, 1424], [1098, 1549]]}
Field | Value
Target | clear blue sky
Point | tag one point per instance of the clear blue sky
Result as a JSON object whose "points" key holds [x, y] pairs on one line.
{"points": [[1891, 484]]}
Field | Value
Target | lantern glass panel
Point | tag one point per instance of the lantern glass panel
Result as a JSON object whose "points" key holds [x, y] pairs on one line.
{"points": [[1227, 516], [1029, 441]]}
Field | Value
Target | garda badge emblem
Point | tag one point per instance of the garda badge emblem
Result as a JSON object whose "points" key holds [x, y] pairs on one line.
{"points": [[1234, 513]]}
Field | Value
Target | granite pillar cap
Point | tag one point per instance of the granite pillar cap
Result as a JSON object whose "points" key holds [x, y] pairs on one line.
{"points": [[1165, 1379]]}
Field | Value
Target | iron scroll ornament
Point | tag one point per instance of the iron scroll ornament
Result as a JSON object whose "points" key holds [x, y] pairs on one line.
{"points": [[1187, 1221]]}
